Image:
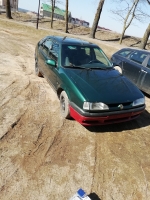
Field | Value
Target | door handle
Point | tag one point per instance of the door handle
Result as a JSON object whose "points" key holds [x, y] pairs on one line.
{"points": [[143, 71]]}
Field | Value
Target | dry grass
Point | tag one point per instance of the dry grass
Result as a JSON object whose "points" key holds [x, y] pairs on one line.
{"points": [[59, 25]]}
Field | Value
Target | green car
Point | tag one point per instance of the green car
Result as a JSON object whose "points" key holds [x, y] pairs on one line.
{"points": [[89, 88]]}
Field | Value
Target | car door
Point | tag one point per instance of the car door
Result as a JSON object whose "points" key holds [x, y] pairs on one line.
{"points": [[119, 57], [145, 77], [53, 71], [131, 66], [43, 56]]}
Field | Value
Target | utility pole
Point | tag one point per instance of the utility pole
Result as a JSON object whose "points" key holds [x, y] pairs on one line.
{"points": [[17, 2], [66, 26], [37, 24]]}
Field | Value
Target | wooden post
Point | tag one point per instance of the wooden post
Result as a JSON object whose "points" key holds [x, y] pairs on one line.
{"points": [[37, 24]]}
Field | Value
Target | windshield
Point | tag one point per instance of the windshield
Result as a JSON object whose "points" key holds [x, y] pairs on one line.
{"points": [[85, 56]]}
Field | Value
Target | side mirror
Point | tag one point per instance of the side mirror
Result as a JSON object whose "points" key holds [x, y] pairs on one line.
{"points": [[51, 62], [118, 68]]}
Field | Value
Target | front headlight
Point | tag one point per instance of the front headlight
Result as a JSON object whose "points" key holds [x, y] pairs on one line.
{"points": [[95, 106], [139, 102]]}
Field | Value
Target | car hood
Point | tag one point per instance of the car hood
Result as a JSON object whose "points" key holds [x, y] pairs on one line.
{"points": [[107, 86]]}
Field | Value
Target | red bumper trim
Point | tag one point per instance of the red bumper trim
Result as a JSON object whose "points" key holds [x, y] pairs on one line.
{"points": [[89, 121]]}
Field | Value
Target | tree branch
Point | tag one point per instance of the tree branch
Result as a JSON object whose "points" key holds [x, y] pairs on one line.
{"points": [[148, 1]]}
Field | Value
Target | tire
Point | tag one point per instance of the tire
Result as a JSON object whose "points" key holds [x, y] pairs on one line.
{"points": [[64, 105], [37, 71]]}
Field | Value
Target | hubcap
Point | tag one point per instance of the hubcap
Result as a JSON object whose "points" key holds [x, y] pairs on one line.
{"points": [[63, 104]]}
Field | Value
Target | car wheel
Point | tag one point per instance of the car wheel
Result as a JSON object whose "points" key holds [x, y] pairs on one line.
{"points": [[64, 105], [119, 69], [37, 71]]}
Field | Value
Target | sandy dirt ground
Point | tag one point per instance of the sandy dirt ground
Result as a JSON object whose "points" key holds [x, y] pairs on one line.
{"points": [[42, 156]]}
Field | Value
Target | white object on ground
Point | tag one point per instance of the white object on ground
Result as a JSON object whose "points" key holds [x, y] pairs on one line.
{"points": [[80, 195]]}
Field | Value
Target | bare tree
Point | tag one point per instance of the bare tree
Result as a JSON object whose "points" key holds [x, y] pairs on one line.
{"points": [[8, 9], [53, 4], [37, 22], [126, 22], [129, 13], [66, 27], [52, 13], [96, 19], [145, 38]]}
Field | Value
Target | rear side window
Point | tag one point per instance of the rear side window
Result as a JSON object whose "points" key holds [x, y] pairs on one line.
{"points": [[46, 46], [138, 57], [148, 64], [124, 53], [48, 43], [42, 41]]}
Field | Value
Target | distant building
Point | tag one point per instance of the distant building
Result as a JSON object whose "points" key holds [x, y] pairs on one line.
{"points": [[13, 4], [102, 28], [79, 22], [60, 14], [46, 11]]}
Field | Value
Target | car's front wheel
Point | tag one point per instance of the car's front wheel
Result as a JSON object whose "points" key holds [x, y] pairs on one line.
{"points": [[37, 71], [64, 105]]}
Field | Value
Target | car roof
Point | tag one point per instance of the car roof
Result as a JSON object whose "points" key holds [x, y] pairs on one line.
{"points": [[135, 49], [68, 40]]}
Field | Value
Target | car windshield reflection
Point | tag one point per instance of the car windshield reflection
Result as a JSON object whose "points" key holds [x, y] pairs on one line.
{"points": [[90, 57]]}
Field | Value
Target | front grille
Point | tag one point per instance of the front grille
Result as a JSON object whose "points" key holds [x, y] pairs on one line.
{"points": [[117, 104]]}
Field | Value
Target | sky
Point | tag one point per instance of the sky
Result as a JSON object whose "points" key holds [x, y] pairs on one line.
{"points": [[85, 10]]}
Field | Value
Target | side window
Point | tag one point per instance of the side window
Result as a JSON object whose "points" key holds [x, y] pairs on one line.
{"points": [[138, 57], [42, 41], [148, 64], [124, 53], [48, 43], [45, 50], [87, 51], [46, 46], [53, 52]]}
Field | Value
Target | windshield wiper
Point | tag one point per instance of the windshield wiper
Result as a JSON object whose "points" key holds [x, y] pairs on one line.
{"points": [[77, 67], [73, 66], [87, 68], [101, 68]]}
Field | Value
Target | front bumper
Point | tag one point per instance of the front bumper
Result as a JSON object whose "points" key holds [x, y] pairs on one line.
{"points": [[89, 119]]}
